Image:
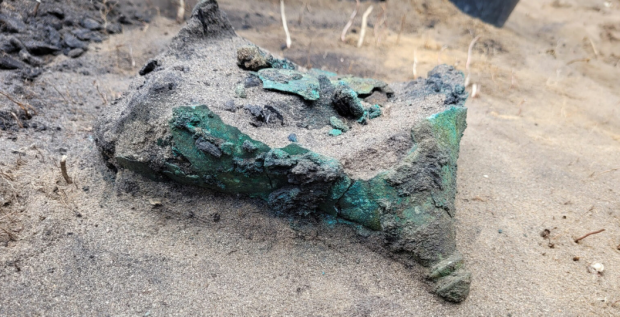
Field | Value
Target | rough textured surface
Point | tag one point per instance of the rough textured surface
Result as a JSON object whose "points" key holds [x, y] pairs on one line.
{"points": [[172, 128], [107, 250]]}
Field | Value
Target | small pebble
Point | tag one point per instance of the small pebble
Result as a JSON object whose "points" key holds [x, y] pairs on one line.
{"points": [[75, 53], [240, 91], [374, 112], [596, 268], [292, 137], [335, 132], [230, 106], [338, 124], [500, 231]]}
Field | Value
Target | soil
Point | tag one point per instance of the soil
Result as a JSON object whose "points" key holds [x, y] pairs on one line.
{"points": [[541, 153]]}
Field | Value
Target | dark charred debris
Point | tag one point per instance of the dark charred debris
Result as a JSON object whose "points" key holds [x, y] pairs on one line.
{"points": [[30, 40]]}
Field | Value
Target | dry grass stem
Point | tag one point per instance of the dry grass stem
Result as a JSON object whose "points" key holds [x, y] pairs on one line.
{"points": [[415, 63], [19, 122], [587, 60], [588, 234], [63, 169], [22, 105], [283, 14], [36, 8], [105, 100], [364, 25], [12, 236], [471, 47], [402, 26], [350, 22], [593, 47], [133, 61], [181, 11], [475, 90], [58, 91]]}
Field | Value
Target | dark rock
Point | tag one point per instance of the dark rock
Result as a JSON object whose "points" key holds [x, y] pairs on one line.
{"points": [[30, 73], [114, 28], [122, 19], [252, 81], [76, 52], [142, 17], [55, 11], [83, 34], [31, 60], [72, 42], [255, 111], [208, 147], [90, 24], [347, 104], [17, 43], [7, 62], [52, 36], [149, 67], [11, 24], [7, 46], [230, 106], [40, 48], [214, 23]]}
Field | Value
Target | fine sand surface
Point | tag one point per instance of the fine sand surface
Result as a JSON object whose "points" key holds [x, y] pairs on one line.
{"points": [[542, 151]]}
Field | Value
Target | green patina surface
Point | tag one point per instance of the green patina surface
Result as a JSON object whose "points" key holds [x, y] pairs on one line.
{"points": [[338, 124], [291, 81], [362, 86], [366, 201], [223, 158], [212, 154]]}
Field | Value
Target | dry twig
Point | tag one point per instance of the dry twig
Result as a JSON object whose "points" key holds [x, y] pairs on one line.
{"points": [[181, 11], [36, 8], [105, 100], [63, 169], [288, 35], [58, 91], [415, 63], [19, 122], [364, 24], [12, 236], [23, 106], [588, 234], [593, 47], [346, 27], [475, 91], [471, 47], [402, 26]]}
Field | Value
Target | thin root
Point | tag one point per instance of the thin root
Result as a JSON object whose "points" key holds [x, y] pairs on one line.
{"points": [[588, 234]]}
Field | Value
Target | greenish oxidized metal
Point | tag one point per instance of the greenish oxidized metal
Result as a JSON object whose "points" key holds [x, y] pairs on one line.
{"points": [[290, 81], [409, 203], [362, 86]]}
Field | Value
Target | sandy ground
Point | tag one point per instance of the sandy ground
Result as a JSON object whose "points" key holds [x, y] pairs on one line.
{"points": [[542, 151]]}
